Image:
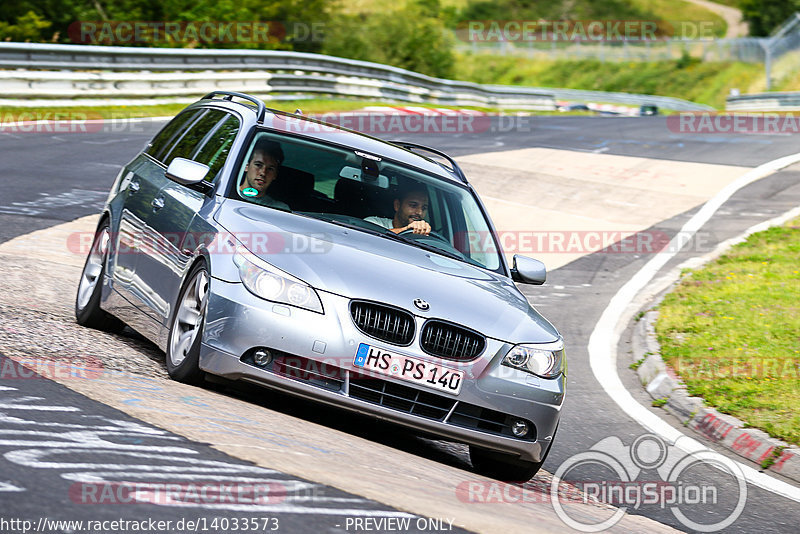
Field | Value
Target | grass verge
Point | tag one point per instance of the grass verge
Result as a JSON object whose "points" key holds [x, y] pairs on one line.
{"points": [[732, 332], [12, 113], [690, 79], [308, 106]]}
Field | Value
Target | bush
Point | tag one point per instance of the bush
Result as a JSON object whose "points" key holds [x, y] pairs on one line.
{"points": [[404, 38], [29, 27]]}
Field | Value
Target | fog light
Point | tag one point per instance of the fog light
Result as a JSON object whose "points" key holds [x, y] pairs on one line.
{"points": [[519, 428], [262, 357]]}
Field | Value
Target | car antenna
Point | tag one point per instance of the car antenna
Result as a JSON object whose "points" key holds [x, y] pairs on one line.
{"points": [[298, 112]]}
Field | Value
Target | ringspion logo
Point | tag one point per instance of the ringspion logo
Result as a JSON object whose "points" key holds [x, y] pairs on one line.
{"points": [[704, 490]]}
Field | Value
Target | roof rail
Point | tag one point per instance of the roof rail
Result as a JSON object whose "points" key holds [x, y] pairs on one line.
{"points": [[413, 147], [228, 95]]}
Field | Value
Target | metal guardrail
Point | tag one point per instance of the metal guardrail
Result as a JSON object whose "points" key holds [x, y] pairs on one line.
{"points": [[664, 102], [788, 101], [70, 71]]}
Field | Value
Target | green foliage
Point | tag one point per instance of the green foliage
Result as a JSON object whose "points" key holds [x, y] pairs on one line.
{"points": [[669, 14], [27, 27], [704, 82], [428, 8], [404, 38], [294, 16], [730, 330], [638, 363], [549, 10], [769, 461], [685, 60], [763, 16]]}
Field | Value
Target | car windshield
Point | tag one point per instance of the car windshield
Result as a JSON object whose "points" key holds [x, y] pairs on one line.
{"points": [[348, 187]]}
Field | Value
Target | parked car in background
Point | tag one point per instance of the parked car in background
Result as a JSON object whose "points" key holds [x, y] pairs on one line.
{"points": [[647, 110], [574, 106]]}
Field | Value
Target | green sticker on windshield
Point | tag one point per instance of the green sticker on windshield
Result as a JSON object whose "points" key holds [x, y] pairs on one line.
{"points": [[250, 191]]}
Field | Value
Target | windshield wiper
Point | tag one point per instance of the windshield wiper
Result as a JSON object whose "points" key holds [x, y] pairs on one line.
{"points": [[333, 220], [429, 248], [388, 234]]}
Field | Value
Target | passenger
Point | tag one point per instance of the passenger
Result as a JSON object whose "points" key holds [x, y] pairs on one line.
{"points": [[410, 210], [260, 172]]}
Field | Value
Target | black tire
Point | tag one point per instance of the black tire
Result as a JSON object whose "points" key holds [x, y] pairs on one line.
{"points": [[186, 328], [90, 288], [505, 467]]}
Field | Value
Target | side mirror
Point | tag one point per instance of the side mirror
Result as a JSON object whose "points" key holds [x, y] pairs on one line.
{"points": [[189, 173], [528, 271]]}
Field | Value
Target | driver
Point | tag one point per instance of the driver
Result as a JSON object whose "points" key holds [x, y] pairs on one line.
{"points": [[410, 210]]}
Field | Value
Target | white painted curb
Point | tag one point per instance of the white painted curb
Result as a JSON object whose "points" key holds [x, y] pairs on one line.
{"points": [[662, 383], [621, 309]]}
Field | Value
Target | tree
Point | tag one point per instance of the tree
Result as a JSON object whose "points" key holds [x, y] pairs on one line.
{"points": [[764, 16], [404, 38], [26, 28]]}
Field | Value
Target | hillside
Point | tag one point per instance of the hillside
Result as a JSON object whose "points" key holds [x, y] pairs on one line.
{"points": [[703, 82]]}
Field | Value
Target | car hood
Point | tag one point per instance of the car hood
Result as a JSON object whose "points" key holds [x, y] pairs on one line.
{"points": [[359, 265]]}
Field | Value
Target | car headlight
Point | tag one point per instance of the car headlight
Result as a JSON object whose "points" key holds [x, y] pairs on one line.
{"points": [[534, 359], [270, 283]]}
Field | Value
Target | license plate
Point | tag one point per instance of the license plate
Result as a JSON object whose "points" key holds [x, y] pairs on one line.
{"points": [[420, 372]]}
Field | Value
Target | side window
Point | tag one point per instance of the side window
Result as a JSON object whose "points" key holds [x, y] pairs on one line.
{"points": [[174, 128], [217, 146], [191, 139]]}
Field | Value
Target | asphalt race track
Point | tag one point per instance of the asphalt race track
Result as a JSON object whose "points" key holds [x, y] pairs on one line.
{"points": [[49, 179]]}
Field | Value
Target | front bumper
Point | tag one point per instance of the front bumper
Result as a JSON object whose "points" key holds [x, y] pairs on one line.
{"points": [[238, 322]]}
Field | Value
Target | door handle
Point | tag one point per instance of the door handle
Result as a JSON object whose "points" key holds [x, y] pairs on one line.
{"points": [[133, 186], [157, 203]]}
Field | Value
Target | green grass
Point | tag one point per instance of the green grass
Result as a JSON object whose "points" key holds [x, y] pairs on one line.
{"points": [[676, 11], [660, 10], [732, 332], [703, 82], [12, 113], [308, 106]]}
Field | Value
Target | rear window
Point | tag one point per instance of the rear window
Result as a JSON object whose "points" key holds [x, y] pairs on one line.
{"points": [[190, 140], [164, 139], [217, 146]]}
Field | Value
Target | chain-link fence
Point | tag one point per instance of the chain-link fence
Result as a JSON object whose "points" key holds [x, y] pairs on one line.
{"points": [[781, 49], [744, 49]]}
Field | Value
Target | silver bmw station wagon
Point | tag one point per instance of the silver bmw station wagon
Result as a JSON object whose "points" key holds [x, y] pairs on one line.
{"points": [[267, 247]]}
